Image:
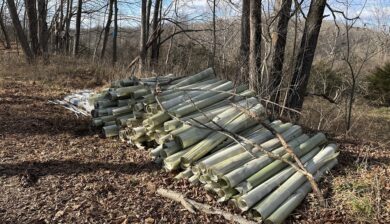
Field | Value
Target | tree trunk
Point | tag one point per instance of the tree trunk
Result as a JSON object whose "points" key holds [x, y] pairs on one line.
{"points": [[107, 28], [142, 44], [245, 33], [19, 31], [78, 28], [280, 37], [7, 44], [67, 25], [42, 27], [155, 46], [255, 46], [148, 10], [32, 25], [114, 48], [305, 56]]}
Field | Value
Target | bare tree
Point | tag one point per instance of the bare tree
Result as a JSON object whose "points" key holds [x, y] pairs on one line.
{"points": [[245, 33], [68, 18], [107, 27], [32, 25], [155, 45], [19, 31], [42, 27], [279, 49], [255, 45], [305, 55], [143, 37], [7, 43], [114, 47], [78, 28], [148, 10]]}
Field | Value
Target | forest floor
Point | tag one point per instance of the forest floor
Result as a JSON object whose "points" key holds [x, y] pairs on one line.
{"points": [[55, 169]]}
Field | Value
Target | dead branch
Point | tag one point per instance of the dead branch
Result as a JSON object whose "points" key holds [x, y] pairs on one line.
{"points": [[190, 205], [326, 97]]}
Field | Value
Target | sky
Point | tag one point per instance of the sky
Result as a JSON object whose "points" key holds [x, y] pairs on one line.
{"points": [[373, 13]]}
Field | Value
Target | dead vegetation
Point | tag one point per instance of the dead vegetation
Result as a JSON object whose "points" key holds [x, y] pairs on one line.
{"points": [[54, 168]]}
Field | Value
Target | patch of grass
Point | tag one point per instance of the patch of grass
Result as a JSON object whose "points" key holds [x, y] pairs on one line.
{"points": [[362, 207], [381, 113]]}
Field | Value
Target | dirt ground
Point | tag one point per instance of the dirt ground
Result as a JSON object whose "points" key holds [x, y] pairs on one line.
{"points": [[55, 169]]}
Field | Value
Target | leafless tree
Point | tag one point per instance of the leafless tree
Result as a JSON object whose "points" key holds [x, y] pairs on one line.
{"points": [[19, 31], [279, 39], [245, 38], [78, 28], [155, 45], [32, 25], [115, 36], [42, 27], [7, 42], [255, 45], [143, 37], [305, 55], [107, 28]]}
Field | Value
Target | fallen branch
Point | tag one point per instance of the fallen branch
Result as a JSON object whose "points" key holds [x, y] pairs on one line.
{"points": [[190, 205]]}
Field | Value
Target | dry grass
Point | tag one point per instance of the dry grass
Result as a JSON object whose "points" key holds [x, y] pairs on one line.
{"points": [[369, 123], [62, 71]]}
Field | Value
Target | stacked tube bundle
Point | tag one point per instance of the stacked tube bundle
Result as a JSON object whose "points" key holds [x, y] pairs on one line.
{"points": [[192, 119]]}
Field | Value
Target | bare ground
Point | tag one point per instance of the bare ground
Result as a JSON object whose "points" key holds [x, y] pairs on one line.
{"points": [[55, 169]]}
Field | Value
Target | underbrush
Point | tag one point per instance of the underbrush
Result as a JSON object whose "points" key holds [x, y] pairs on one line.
{"points": [[369, 123]]}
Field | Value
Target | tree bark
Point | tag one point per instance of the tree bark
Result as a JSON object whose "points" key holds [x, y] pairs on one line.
{"points": [[142, 44], [42, 27], [280, 37], [32, 25], [7, 44], [78, 28], [305, 56], [114, 48], [245, 33], [19, 31], [255, 46], [155, 45], [107, 28]]}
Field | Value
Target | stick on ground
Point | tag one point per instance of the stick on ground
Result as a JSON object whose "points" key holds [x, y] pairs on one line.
{"points": [[191, 205]]}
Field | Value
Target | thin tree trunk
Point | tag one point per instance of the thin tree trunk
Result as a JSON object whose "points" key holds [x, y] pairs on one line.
{"points": [[255, 46], [32, 25], [42, 27], [170, 47], [155, 45], [7, 44], [142, 44], [245, 33], [214, 36], [78, 28], [67, 25], [114, 48], [107, 28], [280, 37], [19, 31], [305, 56], [148, 10]]}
